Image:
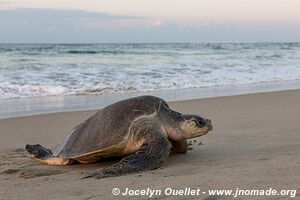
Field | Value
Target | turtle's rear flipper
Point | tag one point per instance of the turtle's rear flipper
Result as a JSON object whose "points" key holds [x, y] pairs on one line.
{"points": [[151, 155], [39, 151], [46, 156]]}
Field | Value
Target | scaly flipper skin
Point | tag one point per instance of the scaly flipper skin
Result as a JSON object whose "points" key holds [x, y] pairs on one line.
{"points": [[180, 146], [153, 152]]}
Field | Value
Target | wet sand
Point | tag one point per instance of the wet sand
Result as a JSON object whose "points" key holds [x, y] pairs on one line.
{"points": [[255, 145]]}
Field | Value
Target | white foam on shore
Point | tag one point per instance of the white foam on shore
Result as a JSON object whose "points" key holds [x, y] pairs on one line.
{"points": [[8, 90], [40, 105]]}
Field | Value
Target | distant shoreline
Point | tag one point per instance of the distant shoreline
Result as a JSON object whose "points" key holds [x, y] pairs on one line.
{"points": [[191, 42], [27, 106]]}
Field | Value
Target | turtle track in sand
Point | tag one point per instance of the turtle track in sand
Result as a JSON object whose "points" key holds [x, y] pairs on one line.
{"points": [[15, 164]]}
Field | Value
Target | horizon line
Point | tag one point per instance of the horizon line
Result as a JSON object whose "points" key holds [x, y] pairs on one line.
{"points": [[212, 42]]}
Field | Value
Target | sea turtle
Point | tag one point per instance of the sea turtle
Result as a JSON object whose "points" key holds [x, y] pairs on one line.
{"points": [[142, 130]]}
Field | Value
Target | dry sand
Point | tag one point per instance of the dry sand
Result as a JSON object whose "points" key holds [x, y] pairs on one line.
{"points": [[255, 145]]}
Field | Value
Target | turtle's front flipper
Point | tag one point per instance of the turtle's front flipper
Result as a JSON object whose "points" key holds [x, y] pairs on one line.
{"points": [[151, 155]]}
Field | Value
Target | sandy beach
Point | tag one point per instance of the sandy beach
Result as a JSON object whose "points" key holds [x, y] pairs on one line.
{"points": [[255, 145]]}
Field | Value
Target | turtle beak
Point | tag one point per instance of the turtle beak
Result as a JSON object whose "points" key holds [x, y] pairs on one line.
{"points": [[209, 124]]}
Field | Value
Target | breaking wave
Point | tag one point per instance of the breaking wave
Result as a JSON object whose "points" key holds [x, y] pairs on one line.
{"points": [[81, 69]]}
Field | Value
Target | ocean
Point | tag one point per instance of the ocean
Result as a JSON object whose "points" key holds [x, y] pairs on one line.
{"points": [[35, 70]]}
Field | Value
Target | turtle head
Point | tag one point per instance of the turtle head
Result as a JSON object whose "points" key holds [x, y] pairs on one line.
{"points": [[194, 126], [179, 126]]}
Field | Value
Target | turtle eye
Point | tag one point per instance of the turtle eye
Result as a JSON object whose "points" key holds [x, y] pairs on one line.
{"points": [[201, 122]]}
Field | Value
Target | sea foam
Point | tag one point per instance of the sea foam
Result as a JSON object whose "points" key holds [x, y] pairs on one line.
{"points": [[56, 69]]}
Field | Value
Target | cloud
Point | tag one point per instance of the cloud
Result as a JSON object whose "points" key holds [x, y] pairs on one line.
{"points": [[5, 2], [75, 26], [56, 16], [47, 25]]}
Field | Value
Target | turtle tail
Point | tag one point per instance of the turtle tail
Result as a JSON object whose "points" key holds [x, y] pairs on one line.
{"points": [[39, 151]]}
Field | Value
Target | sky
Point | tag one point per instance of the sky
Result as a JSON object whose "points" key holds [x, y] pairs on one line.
{"points": [[109, 21]]}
